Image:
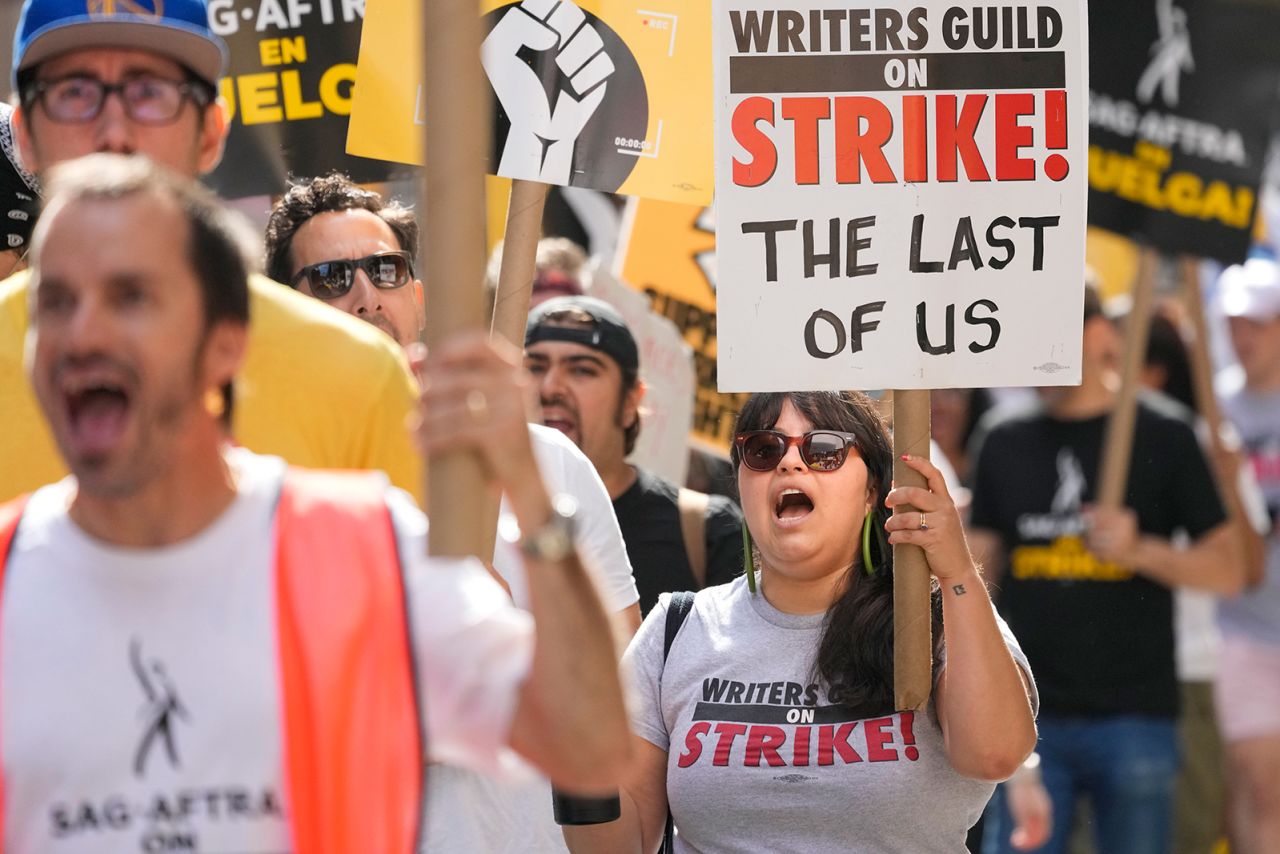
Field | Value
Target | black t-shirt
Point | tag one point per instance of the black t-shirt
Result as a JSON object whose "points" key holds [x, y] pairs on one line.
{"points": [[650, 522], [1099, 637]]}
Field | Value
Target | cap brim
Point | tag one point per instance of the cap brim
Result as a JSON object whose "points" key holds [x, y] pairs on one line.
{"points": [[1241, 303], [195, 50]]}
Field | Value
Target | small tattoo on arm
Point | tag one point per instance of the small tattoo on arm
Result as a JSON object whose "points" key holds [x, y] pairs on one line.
{"points": [[959, 589]]}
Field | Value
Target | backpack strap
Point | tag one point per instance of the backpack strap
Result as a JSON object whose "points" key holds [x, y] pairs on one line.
{"points": [[677, 612], [693, 527]]}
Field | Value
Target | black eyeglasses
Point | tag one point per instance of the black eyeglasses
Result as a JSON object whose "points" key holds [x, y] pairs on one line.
{"points": [[821, 450], [147, 99], [332, 279]]}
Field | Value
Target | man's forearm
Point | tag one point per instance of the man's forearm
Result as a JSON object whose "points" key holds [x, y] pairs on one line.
{"points": [[572, 702], [1212, 563], [571, 720]]}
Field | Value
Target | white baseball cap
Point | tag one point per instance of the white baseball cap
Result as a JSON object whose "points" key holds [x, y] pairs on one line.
{"points": [[1251, 289]]}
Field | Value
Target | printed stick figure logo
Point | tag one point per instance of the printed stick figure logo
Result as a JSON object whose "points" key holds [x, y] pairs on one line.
{"points": [[1170, 55], [1070, 493], [162, 706], [567, 88], [145, 8]]}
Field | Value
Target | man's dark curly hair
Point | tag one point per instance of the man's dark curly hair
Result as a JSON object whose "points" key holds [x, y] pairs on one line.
{"points": [[326, 194]]}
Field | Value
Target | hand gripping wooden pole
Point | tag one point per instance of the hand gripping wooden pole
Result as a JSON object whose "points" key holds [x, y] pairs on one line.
{"points": [[1117, 446], [912, 628], [451, 202]]}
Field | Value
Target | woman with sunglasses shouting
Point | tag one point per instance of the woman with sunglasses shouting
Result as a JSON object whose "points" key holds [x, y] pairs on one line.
{"points": [[763, 713]]}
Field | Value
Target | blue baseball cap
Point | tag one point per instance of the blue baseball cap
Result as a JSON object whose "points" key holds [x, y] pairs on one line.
{"points": [[175, 29]]}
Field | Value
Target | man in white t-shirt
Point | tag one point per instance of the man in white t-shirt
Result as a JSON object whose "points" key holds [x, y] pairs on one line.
{"points": [[322, 236], [149, 695]]}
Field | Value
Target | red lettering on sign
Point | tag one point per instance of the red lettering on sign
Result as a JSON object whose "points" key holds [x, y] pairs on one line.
{"points": [[746, 130], [956, 136], [805, 113], [858, 145], [1012, 137]]}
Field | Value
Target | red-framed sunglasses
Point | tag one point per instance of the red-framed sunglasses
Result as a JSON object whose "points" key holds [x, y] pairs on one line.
{"points": [[821, 450]]}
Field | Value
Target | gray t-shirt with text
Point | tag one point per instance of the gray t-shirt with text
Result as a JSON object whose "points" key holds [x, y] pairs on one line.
{"points": [[760, 761]]}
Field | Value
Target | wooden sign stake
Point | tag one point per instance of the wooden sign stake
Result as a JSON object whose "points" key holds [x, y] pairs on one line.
{"points": [[519, 254], [1118, 444], [511, 302], [912, 628], [451, 205], [1251, 546]]}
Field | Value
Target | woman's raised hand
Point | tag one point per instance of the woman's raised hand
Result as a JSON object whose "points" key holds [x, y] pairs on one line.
{"points": [[933, 523]]}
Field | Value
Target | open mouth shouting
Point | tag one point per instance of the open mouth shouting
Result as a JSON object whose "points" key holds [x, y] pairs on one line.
{"points": [[96, 410], [791, 506], [558, 414]]}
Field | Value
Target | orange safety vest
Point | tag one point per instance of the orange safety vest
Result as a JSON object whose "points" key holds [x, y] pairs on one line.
{"points": [[352, 737]]}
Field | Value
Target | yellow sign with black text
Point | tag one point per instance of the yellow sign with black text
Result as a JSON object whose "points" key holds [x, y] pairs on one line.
{"points": [[668, 253], [606, 94]]}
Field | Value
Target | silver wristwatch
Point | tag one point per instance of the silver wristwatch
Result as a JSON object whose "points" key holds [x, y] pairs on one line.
{"points": [[553, 542]]}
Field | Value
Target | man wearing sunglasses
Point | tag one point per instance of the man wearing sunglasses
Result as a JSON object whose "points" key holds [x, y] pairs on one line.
{"points": [[140, 78], [587, 365], [332, 240], [348, 247]]}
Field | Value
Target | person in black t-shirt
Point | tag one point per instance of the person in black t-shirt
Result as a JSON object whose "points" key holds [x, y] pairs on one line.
{"points": [[586, 363], [1088, 591]]}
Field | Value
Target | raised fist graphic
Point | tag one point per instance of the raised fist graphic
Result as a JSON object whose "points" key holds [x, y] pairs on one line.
{"points": [[545, 120]]}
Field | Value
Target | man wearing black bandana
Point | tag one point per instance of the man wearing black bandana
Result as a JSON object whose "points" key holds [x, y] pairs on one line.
{"points": [[587, 365]]}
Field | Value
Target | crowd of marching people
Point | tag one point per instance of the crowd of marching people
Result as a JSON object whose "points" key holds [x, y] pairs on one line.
{"points": [[220, 629]]}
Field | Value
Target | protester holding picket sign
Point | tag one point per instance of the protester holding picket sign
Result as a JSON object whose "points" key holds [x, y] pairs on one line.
{"points": [[767, 724]]}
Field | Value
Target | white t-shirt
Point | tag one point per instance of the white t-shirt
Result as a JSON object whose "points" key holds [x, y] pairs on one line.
{"points": [[140, 700], [476, 813]]}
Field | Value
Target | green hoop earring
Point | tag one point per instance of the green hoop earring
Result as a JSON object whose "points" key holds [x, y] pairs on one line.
{"points": [[867, 566], [748, 562]]}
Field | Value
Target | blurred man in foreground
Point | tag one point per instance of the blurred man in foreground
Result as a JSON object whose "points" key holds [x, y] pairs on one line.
{"points": [[287, 640]]}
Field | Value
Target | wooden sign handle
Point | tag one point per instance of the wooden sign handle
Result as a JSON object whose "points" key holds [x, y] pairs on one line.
{"points": [[452, 212], [519, 254], [1118, 444], [912, 628], [511, 302], [1251, 546]]}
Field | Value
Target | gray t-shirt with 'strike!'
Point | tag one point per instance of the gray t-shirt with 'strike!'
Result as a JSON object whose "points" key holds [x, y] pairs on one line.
{"points": [[759, 760]]}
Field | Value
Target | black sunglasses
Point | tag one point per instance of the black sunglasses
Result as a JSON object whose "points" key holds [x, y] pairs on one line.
{"points": [[332, 279], [821, 450]]}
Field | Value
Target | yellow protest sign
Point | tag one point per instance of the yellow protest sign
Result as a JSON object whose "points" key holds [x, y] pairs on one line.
{"points": [[668, 252], [614, 95]]}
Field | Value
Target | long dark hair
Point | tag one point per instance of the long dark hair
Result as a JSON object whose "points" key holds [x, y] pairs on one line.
{"points": [[855, 655]]}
